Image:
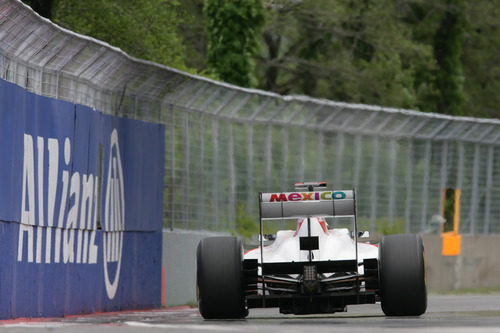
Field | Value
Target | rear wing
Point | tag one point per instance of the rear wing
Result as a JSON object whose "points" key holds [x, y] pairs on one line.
{"points": [[288, 205], [307, 204]]}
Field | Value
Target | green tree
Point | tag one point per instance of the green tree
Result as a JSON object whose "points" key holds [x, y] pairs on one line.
{"points": [[448, 42], [42, 7], [464, 36], [145, 29], [344, 50], [233, 30], [481, 60], [430, 55], [192, 31]]}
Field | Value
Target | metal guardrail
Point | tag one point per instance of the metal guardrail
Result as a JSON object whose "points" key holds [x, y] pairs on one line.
{"points": [[226, 143]]}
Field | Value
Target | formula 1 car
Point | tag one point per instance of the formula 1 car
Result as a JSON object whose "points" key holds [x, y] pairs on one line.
{"points": [[312, 269]]}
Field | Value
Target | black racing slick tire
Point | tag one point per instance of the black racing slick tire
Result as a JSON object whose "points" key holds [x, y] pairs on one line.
{"points": [[219, 278], [402, 275]]}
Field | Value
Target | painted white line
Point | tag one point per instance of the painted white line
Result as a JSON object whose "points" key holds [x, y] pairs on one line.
{"points": [[188, 327]]}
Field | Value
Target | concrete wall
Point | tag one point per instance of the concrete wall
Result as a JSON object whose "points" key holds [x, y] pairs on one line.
{"points": [[179, 265], [477, 266]]}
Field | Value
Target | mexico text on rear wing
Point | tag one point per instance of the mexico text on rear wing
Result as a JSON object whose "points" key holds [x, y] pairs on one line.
{"points": [[307, 204]]}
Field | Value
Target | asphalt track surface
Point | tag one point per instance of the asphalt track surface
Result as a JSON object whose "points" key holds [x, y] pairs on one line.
{"points": [[445, 313]]}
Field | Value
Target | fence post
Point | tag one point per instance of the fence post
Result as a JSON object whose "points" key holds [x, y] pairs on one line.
{"points": [[232, 179], [443, 179], [474, 194], [171, 184], [409, 185], [489, 185], [268, 156], [357, 160], [425, 185], [215, 173], [392, 180], [460, 173], [373, 187], [250, 188], [201, 171], [186, 168], [302, 148], [319, 156], [338, 160]]}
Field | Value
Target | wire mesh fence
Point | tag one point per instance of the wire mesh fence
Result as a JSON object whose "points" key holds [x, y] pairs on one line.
{"points": [[225, 143]]}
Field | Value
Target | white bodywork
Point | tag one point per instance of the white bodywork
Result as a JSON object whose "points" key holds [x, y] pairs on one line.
{"points": [[334, 244]]}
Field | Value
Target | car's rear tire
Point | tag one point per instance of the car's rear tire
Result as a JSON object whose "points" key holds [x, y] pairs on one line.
{"points": [[219, 278], [402, 275]]}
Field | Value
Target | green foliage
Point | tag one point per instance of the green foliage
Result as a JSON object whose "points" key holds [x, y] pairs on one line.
{"points": [[233, 30], [145, 29], [481, 63], [344, 50], [191, 30], [435, 56], [246, 225], [383, 227], [42, 7], [449, 210], [448, 50], [430, 55]]}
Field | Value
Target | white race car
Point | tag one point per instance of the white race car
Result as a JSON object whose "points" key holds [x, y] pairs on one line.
{"points": [[312, 269]]}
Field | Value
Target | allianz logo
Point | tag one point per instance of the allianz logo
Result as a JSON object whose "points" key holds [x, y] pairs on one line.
{"points": [[114, 217], [59, 219]]}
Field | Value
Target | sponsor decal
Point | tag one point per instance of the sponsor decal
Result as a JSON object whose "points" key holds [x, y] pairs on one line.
{"points": [[307, 196], [59, 218], [114, 217]]}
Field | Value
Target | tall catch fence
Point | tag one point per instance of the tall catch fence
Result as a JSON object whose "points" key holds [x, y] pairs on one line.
{"points": [[224, 143]]}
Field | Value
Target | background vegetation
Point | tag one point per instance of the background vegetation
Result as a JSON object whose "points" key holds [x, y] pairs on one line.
{"points": [[429, 55]]}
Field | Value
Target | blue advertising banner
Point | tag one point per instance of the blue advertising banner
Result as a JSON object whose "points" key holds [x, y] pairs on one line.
{"points": [[80, 208]]}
